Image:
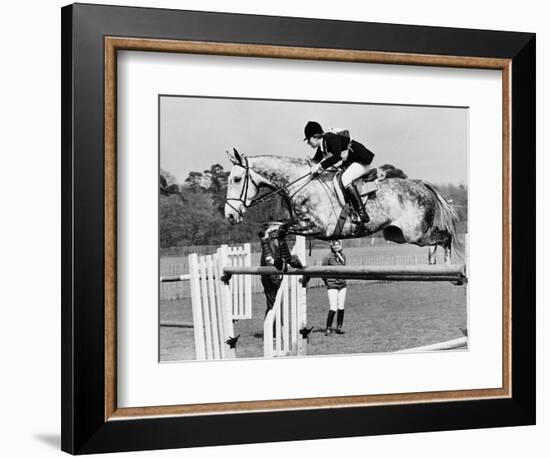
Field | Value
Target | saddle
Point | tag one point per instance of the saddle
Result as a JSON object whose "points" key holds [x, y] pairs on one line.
{"points": [[366, 185]]}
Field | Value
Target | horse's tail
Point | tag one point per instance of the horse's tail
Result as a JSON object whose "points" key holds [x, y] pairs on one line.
{"points": [[446, 219]]}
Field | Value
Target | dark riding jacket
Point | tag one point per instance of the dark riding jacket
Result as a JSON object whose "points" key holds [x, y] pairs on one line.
{"points": [[332, 259], [335, 144]]}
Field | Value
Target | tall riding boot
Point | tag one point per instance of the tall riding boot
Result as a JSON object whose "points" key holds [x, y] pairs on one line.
{"points": [[330, 318], [339, 321], [355, 199]]}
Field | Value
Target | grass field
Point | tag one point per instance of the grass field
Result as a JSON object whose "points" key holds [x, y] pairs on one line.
{"points": [[380, 317]]}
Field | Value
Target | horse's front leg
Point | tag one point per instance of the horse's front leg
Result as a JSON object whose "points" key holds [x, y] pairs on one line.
{"points": [[268, 234], [267, 251], [278, 230], [288, 258]]}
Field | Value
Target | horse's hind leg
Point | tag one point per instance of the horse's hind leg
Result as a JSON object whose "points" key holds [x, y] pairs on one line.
{"points": [[431, 254], [435, 239], [447, 247], [447, 255]]}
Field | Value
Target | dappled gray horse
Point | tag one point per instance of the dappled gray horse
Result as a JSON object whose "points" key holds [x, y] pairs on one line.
{"points": [[405, 210]]}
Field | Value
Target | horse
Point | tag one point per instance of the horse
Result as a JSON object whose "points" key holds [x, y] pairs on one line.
{"points": [[405, 210]]}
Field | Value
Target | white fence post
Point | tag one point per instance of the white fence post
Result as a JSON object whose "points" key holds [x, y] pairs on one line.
{"points": [[216, 304], [211, 304], [198, 325], [241, 285], [224, 295], [288, 316], [301, 297], [247, 283]]}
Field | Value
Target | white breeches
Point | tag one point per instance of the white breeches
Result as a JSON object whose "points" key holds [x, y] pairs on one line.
{"points": [[354, 171], [336, 298]]}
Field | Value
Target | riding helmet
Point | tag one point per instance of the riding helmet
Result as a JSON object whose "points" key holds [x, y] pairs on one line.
{"points": [[312, 128]]}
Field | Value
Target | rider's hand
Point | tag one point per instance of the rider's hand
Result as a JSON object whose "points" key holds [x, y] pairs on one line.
{"points": [[316, 169]]}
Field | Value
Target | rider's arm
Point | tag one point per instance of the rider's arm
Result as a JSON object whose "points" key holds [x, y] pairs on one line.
{"points": [[333, 146], [318, 157]]}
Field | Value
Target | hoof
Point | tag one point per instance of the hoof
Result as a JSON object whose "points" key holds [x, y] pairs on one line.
{"points": [[232, 341]]}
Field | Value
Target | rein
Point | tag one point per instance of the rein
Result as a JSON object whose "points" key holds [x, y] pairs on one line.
{"points": [[269, 195]]}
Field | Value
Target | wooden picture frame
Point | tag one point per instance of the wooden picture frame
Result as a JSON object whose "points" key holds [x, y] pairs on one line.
{"points": [[91, 37]]}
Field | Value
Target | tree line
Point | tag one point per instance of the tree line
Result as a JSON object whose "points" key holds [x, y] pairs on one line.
{"points": [[195, 216]]}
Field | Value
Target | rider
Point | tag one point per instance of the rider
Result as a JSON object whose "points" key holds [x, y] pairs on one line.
{"points": [[332, 148]]}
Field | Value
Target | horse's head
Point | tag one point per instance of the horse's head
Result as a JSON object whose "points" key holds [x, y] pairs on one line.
{"points": [[243, 186]]}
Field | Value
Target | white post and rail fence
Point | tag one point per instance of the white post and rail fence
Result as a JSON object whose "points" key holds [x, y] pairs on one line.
{"points": [[221, 292]]}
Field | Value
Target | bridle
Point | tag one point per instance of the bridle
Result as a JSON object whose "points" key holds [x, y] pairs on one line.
{"points": [[244, 189], [249, 179]]}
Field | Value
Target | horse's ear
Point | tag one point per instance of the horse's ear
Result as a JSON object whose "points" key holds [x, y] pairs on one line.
{"points": [[235, 157]]}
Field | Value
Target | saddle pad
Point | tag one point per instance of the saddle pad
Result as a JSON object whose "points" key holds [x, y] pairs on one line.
{"points": [[368, 187], [364, 187]]}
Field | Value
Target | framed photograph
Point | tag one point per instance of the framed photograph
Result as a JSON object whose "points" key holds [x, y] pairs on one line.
{"points": [[270, 222]]}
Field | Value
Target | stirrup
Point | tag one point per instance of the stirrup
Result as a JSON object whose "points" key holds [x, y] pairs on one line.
{"points": [[363, 218], [358, 227], [356, 218]]}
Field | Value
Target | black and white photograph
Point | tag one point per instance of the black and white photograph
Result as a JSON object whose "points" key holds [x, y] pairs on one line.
{"points": [[300, 228]]}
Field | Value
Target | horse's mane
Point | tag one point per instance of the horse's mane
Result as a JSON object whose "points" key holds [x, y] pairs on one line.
{"points": [[292, 160], [392, 171]]}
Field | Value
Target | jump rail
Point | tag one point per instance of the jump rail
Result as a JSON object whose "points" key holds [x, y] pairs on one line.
{"points": [[453, 273], [459, 343], [174, 278]]}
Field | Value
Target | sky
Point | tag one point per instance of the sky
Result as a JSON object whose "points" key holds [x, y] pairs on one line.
{"points": [[429, 143]]}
